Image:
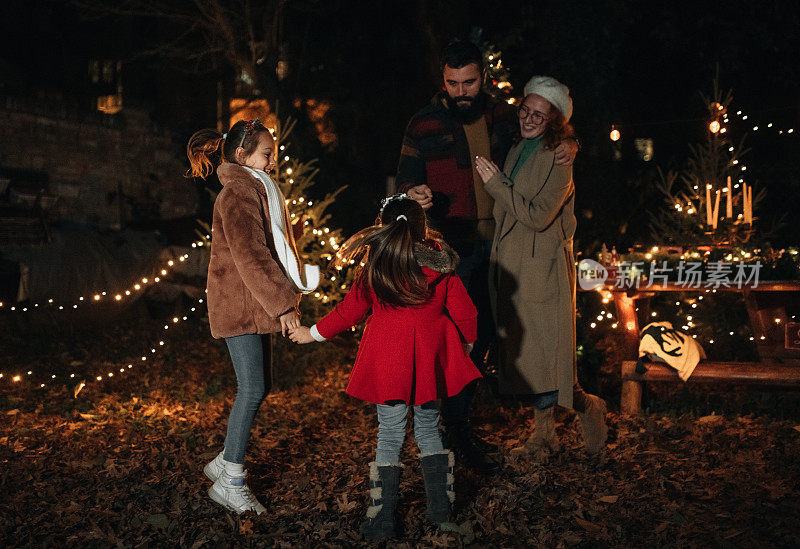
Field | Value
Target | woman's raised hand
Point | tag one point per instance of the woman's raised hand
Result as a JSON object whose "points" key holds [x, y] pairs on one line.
{"points": [[486, 168], [301, 335]]}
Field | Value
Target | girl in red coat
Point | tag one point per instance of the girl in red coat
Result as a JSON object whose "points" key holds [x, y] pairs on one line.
{"points": [[413, 351]]}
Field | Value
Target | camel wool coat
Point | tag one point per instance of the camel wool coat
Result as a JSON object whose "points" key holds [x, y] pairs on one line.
{"points": [[532, 275], [247, 287]]}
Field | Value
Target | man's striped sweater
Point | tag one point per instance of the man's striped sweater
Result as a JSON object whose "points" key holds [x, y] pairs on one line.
{"points": [[436, 153]]}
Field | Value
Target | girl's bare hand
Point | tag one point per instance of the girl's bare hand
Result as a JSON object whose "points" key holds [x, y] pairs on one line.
{"points": [[301, 335]]}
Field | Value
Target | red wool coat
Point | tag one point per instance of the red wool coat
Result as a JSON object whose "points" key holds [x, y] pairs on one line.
{"points": [[411, 354]]}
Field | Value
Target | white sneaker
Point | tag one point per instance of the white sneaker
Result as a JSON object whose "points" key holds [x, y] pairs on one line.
{"points": [[215, 467], [232, 493]]}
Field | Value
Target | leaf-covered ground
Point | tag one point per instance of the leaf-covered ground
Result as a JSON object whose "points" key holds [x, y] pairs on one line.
{"points": [[121, 464]]}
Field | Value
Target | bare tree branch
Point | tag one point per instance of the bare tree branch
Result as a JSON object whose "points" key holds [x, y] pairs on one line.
{"points": [[236, 34]]}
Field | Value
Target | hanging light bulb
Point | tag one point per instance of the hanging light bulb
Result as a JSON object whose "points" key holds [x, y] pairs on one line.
{"points": [[714, 126], [614, 135]]}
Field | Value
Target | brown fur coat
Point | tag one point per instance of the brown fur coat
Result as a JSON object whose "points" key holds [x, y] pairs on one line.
{"points": [[247, 288]]}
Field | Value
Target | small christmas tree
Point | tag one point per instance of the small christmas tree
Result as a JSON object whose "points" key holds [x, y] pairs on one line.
{"points": [[497, 76]]}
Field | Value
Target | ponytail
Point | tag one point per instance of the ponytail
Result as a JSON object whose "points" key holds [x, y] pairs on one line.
{"points": [[203, 151], [208, 148], [385, 254]]}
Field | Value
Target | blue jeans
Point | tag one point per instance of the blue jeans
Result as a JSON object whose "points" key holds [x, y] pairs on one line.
{"points": [[473, 270], [392, 430], [247, 354]]}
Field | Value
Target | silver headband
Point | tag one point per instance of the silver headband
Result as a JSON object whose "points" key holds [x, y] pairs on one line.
{"points": [[388, 199]]}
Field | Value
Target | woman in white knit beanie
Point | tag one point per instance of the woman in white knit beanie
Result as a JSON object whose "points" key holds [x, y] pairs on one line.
{"points": [[532, 272]]}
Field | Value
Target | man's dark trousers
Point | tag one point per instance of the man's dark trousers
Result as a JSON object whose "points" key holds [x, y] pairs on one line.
{"points": [[473, 270]]}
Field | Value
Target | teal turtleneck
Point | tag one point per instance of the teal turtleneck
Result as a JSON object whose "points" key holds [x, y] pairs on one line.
{"points": [[529, 145]]}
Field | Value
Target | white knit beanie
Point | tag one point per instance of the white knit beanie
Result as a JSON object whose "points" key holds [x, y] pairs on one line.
{"points": [[552, 90]]}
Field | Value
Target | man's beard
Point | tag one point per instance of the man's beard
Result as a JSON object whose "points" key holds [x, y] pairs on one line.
{"points": [[466, 114]]}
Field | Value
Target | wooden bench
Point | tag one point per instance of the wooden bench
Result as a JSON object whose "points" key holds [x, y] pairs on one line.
{"points": [[741, 373]]}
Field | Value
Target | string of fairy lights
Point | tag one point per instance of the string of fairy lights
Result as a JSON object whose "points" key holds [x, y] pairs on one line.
{"points": [[608, 318], [141, 284], [719, 124], [716, 125], [780, 129], [106, 375]]}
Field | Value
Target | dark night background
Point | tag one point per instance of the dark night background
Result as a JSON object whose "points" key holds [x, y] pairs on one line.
{"points": [[635, 65]]}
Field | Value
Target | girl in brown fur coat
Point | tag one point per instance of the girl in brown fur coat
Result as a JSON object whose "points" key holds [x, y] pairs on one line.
{"points": [[253, 282]]}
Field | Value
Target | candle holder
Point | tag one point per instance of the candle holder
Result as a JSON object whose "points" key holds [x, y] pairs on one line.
{"points": [[730, 233]]}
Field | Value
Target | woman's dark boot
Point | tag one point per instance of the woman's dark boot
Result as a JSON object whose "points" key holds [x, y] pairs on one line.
{"points": [[384, 480], [437, 471]]}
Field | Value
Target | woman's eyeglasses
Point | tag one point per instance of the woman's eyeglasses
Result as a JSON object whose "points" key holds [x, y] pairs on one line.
{"points": [[536, 116]]}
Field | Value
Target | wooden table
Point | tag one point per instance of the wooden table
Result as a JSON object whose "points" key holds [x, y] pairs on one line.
{"points": [[779, 363]]}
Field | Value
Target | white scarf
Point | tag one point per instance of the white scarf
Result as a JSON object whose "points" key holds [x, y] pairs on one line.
{"points": [[286, 253]]}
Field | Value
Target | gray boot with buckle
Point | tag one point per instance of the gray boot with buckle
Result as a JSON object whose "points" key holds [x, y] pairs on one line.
{"points": [[384, 479], [437, 471]]}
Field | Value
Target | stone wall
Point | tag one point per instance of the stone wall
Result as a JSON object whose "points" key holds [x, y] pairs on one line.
{"points": [[104, 170]]}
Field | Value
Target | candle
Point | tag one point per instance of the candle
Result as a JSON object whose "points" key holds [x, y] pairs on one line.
{"points": [[716, 212], [729, 209], [744, 202], [748, 204], [708, 205]]}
